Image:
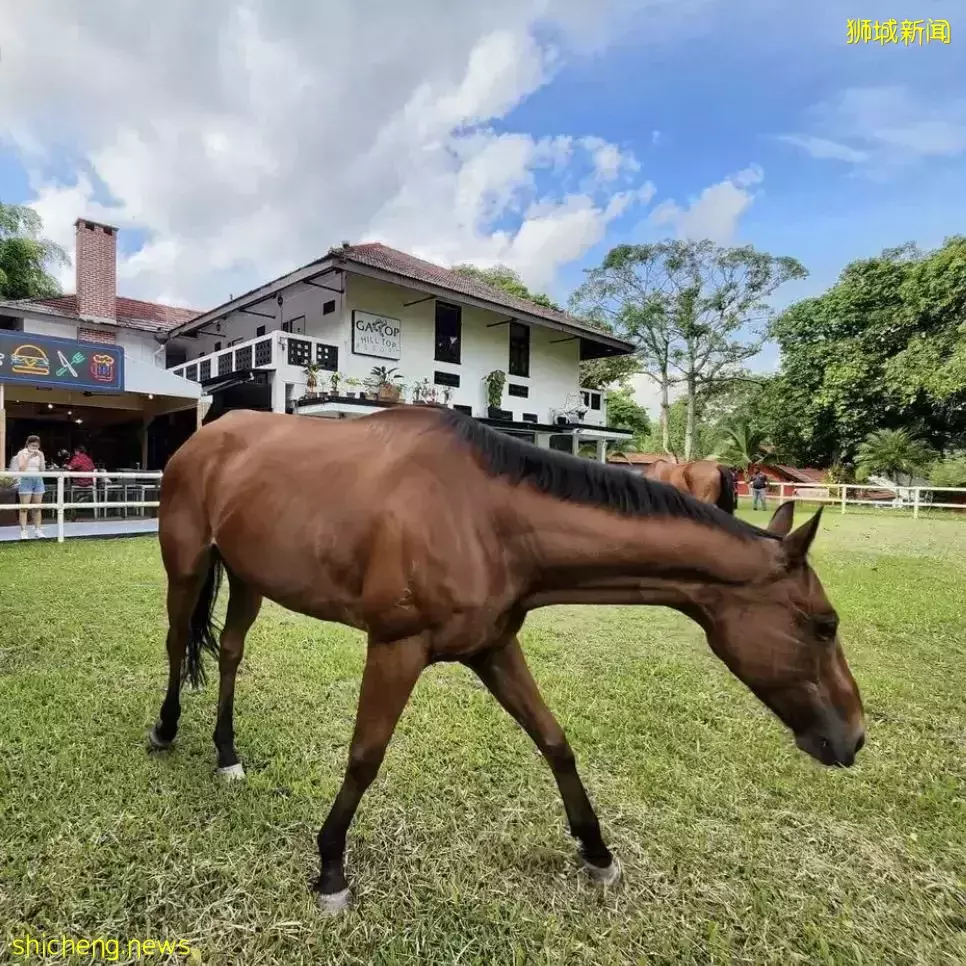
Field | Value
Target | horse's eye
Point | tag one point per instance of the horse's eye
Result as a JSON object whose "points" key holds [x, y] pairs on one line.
{"points": [[826, 627]]}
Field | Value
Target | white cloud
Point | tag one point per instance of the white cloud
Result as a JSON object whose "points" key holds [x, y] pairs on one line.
{"points": [[715, 213], [882, 129], [824, 149], [244, 138]]}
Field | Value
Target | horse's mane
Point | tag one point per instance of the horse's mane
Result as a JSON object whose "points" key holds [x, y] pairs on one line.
{"points": [[576, 480]]}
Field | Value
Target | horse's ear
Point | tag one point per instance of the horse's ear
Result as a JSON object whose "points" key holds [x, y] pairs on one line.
{"points": [[797, 543], [782, 519]]}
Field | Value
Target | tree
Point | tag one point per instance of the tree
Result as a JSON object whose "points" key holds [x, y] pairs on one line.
{"points": [[505, 278], [624, 412], [608, 371], [883, 348], [892, 452], [949, 472], [692, 309], [741, 445], [25, 257]]}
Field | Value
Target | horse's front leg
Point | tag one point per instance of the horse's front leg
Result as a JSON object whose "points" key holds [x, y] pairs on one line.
{"points": [[504, 671], [392, 669]]}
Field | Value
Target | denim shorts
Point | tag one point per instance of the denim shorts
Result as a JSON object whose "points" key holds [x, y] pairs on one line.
{"points": [[31, 484]]}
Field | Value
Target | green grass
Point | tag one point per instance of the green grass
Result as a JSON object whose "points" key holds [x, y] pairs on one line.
{"points": [[736, 848]]}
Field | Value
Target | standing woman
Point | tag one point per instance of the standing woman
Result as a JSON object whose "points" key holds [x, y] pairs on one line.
{"points": [[31, 460]]}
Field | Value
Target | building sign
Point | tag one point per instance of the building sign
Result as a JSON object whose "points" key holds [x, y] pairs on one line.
{"points": [[375, 335], [61, 363]]}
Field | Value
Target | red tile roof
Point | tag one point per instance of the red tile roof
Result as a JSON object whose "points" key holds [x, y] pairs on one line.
{"points": [[802, 474], [131, 313], [377, 255]]}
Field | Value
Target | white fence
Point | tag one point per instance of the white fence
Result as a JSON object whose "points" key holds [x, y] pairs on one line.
{"points": [[123, 492], [914, 498]]}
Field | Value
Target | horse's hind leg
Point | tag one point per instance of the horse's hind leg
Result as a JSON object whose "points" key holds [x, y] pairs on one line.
{"points": [[183, 594], [243, 607], [504, 671]]}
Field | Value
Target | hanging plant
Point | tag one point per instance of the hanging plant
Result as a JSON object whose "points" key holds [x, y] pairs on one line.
{"points": [[495, 381]]}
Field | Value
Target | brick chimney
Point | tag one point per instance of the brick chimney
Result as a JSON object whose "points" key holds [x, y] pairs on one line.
{"points": [[95, 263]]}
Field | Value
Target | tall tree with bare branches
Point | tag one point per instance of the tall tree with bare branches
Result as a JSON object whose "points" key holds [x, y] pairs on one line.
{"points": [[695, 310]]}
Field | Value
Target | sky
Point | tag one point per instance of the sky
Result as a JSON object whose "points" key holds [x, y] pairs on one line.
{"points": [[233, 141]]}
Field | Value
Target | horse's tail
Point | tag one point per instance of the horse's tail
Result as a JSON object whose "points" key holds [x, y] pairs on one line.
{"points": [[204, 630], [726, 498]]}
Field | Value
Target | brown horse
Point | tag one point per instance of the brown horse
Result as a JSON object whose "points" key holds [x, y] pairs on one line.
{"points": [[705, 480], [436, 536]]}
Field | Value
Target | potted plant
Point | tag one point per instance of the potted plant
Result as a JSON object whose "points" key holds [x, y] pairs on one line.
{"points": [[9, 501], [387, 382], [420, 392], [312, 378], [447, 395], [495, 381], [354, 383], [334, 381]]}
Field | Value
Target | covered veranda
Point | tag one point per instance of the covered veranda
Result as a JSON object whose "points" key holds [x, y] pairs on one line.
{"points": [[575, 438]]}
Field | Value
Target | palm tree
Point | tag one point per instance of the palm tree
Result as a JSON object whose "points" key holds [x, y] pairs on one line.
{"points": [[740, 445], [891, 452]]}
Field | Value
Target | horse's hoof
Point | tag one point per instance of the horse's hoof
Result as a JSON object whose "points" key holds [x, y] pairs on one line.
{"points": [[333, 903], [231, 773], [608, 876], [156, 742]]}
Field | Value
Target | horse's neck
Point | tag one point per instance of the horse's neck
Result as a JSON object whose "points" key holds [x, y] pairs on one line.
{"points": [[588, 551]]}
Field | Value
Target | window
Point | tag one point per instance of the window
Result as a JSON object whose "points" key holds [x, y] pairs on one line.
{"points": [[10, 324], [519, 350], [590, 399], [295, 325], [328, 307], [446, 379], [175, 355], [448, 333], [217, 346], [514, 389], [260, 330]]}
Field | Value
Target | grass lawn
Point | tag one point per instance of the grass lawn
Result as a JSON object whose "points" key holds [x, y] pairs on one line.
{"points": [[736, 848]]}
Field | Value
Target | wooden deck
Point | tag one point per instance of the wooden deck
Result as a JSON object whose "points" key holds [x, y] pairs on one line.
{"points": [[87, 529]]}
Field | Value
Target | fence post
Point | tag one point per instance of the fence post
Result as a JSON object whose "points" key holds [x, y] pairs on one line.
{"points": [[845, 491], [60, 507], [915, 504]]}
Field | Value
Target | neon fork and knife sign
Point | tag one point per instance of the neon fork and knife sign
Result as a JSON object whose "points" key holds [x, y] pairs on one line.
{"points": [[68, 366]]}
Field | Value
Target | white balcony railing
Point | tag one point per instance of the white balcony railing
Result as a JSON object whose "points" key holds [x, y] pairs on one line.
{"points": [[271, 351], [98, 493]]}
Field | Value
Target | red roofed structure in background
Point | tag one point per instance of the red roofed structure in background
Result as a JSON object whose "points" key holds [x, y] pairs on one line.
{"points": [[94, 298]]}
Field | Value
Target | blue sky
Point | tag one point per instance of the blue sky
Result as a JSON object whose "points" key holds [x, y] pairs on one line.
{"points": [[719, 101], [225, 171]]}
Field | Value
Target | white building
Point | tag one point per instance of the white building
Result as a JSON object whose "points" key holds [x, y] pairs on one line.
{"points": [[89, 367], [437, 335]]}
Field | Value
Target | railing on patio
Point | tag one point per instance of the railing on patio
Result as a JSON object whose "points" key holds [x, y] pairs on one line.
{"points": [[913, 498], [263, 352], [110, 491]]}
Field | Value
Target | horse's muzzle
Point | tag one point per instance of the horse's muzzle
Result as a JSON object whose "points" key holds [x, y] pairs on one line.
{"points": [[835, 744]]}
